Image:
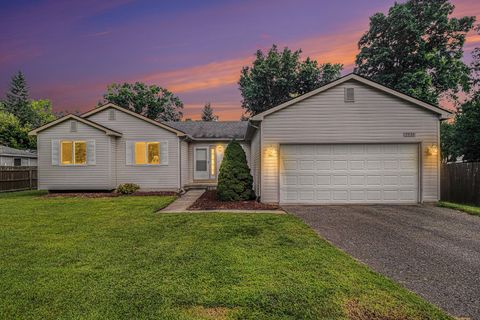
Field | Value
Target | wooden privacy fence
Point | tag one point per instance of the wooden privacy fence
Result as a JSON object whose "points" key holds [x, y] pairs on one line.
{"points": [[460, 182], [18, 178]]}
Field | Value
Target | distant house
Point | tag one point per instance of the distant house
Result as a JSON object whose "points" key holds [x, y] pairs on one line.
{"points": [[10, 157], [350, 141]]}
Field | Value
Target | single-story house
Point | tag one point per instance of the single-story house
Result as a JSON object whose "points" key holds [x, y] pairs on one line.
{"points": [[350, 141], [11, 157]]}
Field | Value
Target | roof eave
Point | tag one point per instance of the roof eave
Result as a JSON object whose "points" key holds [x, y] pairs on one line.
{"points": [[106, 130], [442, 112], [179, 133]]}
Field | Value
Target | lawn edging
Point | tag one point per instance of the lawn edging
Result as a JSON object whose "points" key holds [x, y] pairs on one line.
{"points": [[473, 210]]}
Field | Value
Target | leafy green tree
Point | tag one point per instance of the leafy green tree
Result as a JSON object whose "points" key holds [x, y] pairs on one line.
{"points": [[235, 182], [475, 65], [467, 129], [151, 101], [449, 145], [17, 101], [13, 134], [42, 111], [207, 113], [276, 77], [417, 49]]}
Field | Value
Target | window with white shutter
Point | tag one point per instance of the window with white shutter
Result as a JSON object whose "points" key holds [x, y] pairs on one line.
{"points": [[146, 152]]}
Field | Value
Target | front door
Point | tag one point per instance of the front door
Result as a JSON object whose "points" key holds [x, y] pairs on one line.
{"points": [[201, 164]]}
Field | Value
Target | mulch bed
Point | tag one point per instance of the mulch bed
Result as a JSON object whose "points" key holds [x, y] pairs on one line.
{"points": [[208, 201], [60, 194]]}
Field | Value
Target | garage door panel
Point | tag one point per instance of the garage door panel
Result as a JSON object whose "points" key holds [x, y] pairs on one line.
{"points": [[307, 180], [356, 173], [323, 164], [307, 164]]}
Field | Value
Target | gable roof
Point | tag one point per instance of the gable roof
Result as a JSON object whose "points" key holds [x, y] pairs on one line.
{"points": [[108, 131], [134, 114], [444, 114], [208, 130], [8, 151]]}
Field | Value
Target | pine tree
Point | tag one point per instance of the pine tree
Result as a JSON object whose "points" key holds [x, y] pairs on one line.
{"points": [[207, 113], [235, 182], [17, 100]]}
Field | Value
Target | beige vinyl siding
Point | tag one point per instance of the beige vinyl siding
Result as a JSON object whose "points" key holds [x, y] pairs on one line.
{"points": [[155, 177], [255, 161], [58, 177], [374, 117]]}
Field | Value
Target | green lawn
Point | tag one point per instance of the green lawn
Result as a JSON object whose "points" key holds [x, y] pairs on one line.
{"points": [[462, 207], [115, 258]]}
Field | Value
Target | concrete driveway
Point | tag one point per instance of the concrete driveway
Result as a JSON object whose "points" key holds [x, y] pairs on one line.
{"points": [[434, 252]]}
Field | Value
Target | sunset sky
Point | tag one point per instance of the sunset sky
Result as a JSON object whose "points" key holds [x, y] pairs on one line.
{"points": [[71, 50]]}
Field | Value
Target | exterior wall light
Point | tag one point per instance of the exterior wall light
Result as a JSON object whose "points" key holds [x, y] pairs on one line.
{"points": [[220, 148], [432, 150], [271, 152]]}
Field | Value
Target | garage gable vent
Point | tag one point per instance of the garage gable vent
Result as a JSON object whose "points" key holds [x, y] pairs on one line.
{"points": [[73, 126], [111, 114], [349, 94]]}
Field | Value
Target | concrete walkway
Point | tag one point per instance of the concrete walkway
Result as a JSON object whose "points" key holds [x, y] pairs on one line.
{"points": [[185, 201]]}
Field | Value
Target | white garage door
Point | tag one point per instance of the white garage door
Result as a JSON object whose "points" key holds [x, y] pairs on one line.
{"points": [[349, 173]]}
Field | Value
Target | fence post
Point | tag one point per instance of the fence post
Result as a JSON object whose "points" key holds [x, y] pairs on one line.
{"points": [[30, 177]]}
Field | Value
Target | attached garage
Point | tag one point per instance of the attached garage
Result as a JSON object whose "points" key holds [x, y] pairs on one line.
{"points": [[350, 141], [349, 173]]}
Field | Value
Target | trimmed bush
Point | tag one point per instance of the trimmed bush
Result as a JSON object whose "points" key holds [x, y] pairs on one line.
{"points": [[128, 188], [234, 180]]}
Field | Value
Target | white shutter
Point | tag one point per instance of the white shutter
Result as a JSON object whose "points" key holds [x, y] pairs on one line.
{"points": [[164, 152], [129, 145], [91, 157], [55, 152]]}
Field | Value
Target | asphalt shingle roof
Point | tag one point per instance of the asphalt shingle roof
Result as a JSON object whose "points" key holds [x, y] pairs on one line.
{"points": [[211, 129], [4, 150]]}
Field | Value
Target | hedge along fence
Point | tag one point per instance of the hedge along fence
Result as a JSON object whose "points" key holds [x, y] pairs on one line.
{"points": [[18, 178], [460, 183]]}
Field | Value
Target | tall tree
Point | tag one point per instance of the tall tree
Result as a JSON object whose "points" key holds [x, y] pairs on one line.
{"points": [[467, 129], [13, 134], [151, 101], [207, 113], [17, 101], [417, 49], [475, 65], [42, 112], [278, 76]]}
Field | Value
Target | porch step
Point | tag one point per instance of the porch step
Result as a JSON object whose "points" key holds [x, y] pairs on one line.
{"points": [[203, 186]]}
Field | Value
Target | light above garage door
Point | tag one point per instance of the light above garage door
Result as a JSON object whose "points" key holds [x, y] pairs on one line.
{"points": [[349, 173]]}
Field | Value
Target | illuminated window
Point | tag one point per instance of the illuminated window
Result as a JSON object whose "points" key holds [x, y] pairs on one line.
{"points": [[147, 152], [74, 152]]}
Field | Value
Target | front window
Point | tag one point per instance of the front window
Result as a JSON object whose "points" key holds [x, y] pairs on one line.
{"points": [[74, 152], [147, 152]]}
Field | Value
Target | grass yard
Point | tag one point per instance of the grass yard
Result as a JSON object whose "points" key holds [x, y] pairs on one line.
{"points": [[462, 207], [114, 258]]}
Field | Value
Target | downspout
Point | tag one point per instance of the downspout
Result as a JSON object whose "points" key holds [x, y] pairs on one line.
{"points": [[179, 165]]}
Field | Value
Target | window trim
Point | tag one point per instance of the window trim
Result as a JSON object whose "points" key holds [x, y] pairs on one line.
{"points": [[146, 142], [73, 154]]}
